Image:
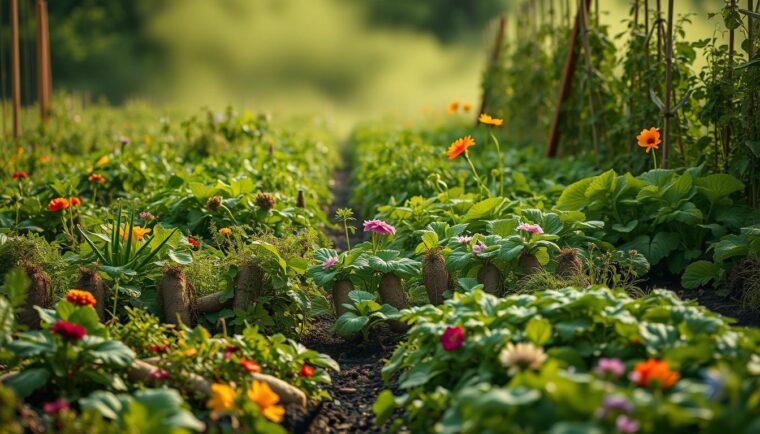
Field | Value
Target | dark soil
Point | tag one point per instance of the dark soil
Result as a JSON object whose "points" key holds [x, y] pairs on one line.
{"points": [[354, 389]]}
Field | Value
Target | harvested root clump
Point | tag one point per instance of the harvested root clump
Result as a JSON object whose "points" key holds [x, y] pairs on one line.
{"points": [[392, 293], [39, 294], [529, 263], [90, 281], [175, 296], [435, 276], [568, 264], [492, 280]]}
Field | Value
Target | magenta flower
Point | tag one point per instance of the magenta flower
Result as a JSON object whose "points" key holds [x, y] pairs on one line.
{"points": [[533, 229], [464, 239], [329, 262], [68, 330], [59, 404], [452, 338], [613, 368], [626, 425], [159, 374], [378, 227], [478, 248]]}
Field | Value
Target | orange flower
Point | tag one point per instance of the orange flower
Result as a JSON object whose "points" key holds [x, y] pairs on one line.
{"points": [[250, 365], [453, 106], [488, 120], [58, 204], [222, 400], [266, 399], [102, 161], [80, 298], [74, 201], [96, 177], [649, 139], [225, 231], [654, 373], [190, 352], [44, 159], [459, 146], [466, 106]]}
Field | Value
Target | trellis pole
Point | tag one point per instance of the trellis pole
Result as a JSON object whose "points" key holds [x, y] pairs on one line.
{"points": [[43, 62], [667, 114], [15, 70], [566, 82]]}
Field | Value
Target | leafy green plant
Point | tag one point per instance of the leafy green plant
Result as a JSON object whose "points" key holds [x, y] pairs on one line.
{"points": [[364, 314]]}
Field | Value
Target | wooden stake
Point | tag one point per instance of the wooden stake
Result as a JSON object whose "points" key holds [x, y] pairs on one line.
{"points": [[495, 54], [753, 181], [668, 85], [43, 62], [15, 70], [589, 73], [566, 82], [730, 76]]}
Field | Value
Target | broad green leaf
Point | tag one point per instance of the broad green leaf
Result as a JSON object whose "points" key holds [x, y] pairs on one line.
{"points": [[350, 323], [574, 198], [28, 381], [701, 273], [482, 209], [719, 185], [538, 330]]}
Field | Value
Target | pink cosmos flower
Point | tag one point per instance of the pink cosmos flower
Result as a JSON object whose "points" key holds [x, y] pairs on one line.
{"points": [[478, 248], [452, 338], [533, 229], [464, 239], [610, 368], [145, 215], [378, 227], [329, 262], [52, 407], [159, 375]]}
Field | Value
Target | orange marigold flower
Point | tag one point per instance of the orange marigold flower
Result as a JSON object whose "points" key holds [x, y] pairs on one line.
{"points": [[453, 106], [459, 146], [190, 352], [75, 201], [58, 204], [250, 365], [649, 139], [466, 107], [488, 120], [96, 177], [19, 175], [222, 400], [225, 231], [654, 373], [44, 159], [267, 400], [80, 298], [138, 233]]}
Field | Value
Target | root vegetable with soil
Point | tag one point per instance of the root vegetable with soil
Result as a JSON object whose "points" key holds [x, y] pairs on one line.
{"points": [[492, 280], [392, 292], [435, 276]]}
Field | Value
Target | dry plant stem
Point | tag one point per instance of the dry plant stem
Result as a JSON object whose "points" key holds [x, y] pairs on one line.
{"points": [[668, 86]]}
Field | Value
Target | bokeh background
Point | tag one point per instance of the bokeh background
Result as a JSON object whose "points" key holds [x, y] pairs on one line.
{"points": [[344, 59]]}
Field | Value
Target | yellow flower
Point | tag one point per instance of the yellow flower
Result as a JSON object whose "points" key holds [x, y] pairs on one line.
{"points": [[102, 161], [138, 233], [266, 399], [190, 352], [222, 399], [225, 231], [488, 120], [148, 140]]}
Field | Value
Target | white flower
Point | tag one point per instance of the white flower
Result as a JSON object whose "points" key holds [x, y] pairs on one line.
{"points": [[522, 356]]}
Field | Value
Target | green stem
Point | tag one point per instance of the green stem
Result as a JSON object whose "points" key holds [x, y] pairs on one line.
{"points": [[475, 174], [345, 229], [230, 214], [115, 299], [501, 165], [654, 156], [94, 194]]}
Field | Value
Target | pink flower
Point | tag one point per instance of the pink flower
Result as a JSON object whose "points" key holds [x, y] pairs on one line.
{"points": [[533, 229], [626, 425], [478, 248], [229, 350], [610, 368], [159, 374], [59, 404], [378, 227], [68, 330], [464, 239], [329, 262], [145, 215], [124, 140], [452, 338]]}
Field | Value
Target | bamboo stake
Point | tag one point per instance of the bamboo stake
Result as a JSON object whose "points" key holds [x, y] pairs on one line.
{"points": [[668, 85], [495, 54], [43, 65], [632, 89], [566, 83], [589, 73], [2, 73], [15, 70], [753, 193]]}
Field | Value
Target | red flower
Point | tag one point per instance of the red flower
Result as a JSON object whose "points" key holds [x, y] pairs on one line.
{"points": [[654, 373], [58, 204], [59, 404], [192, 242], [452, 338], [229, 350], [19, 175], [160, 348], [307, 371], [74, 201], [159, 374], [68, 331], [250, 365]]}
